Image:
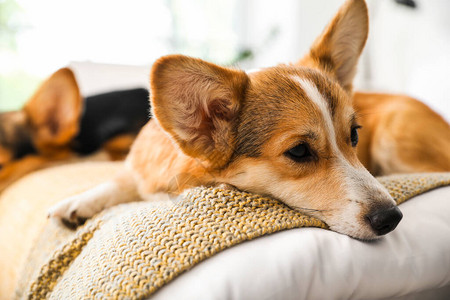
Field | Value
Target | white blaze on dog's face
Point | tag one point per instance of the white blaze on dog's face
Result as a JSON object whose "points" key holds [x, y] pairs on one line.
{"points": [[287, 131]]}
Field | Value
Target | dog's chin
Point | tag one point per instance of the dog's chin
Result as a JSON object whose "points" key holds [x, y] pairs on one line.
{"points": [[362, 233]]}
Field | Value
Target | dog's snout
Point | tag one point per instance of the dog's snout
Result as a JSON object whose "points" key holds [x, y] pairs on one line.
{"points": [[384, 221]]}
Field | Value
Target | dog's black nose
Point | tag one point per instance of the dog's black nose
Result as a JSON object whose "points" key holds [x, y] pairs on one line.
{"points": [[384, 221]]}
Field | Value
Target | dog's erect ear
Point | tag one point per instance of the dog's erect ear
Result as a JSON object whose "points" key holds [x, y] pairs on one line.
{"points": [[197, 103], [337, 49], [54, 110]]}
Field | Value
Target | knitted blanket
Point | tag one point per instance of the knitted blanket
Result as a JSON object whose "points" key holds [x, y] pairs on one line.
{"points": [[130, 251]]}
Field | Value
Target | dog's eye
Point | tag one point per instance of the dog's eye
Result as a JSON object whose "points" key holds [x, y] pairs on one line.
{"points": [[354, 135], [299, 153]]}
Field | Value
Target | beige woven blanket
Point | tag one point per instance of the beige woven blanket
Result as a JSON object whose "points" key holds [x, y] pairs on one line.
{"points": [[132, 250]]}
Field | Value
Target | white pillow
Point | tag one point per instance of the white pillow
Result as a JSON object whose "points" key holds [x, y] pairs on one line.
{"points": [[311, 263]]}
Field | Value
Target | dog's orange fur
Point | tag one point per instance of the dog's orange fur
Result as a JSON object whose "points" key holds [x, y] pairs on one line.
{"points": [[166, 168], [401, 135]]}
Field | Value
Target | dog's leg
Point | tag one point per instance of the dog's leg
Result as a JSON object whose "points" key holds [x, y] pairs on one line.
{"points": [[226, 186], [76, 209]]}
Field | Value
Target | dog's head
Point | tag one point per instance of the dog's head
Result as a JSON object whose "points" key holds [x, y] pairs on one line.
{"points": [[289, 131], [46, 124]]}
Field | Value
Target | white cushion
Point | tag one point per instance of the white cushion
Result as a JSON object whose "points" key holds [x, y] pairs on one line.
{"points": [[310, 263]]}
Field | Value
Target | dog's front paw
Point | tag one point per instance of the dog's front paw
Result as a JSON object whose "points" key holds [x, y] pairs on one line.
{"points": [[226, 186], [73, 211]]}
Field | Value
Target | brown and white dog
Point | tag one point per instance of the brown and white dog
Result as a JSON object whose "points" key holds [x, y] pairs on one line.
{"points": [[289, 132]]}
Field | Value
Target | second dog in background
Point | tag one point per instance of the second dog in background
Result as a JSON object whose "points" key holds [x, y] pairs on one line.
{"points": [[57, 125]]}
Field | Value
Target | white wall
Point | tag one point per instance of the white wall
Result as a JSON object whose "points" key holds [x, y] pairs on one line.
{"points": [[298, 22], [408, 50]]}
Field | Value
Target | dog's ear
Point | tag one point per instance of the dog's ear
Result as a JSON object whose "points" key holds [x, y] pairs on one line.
{"points": [[54, 110], [337, 49], [197, 103]]}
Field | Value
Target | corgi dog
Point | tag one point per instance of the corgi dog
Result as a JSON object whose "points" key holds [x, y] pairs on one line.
{"points": [[57, 124], [288, 132]]}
